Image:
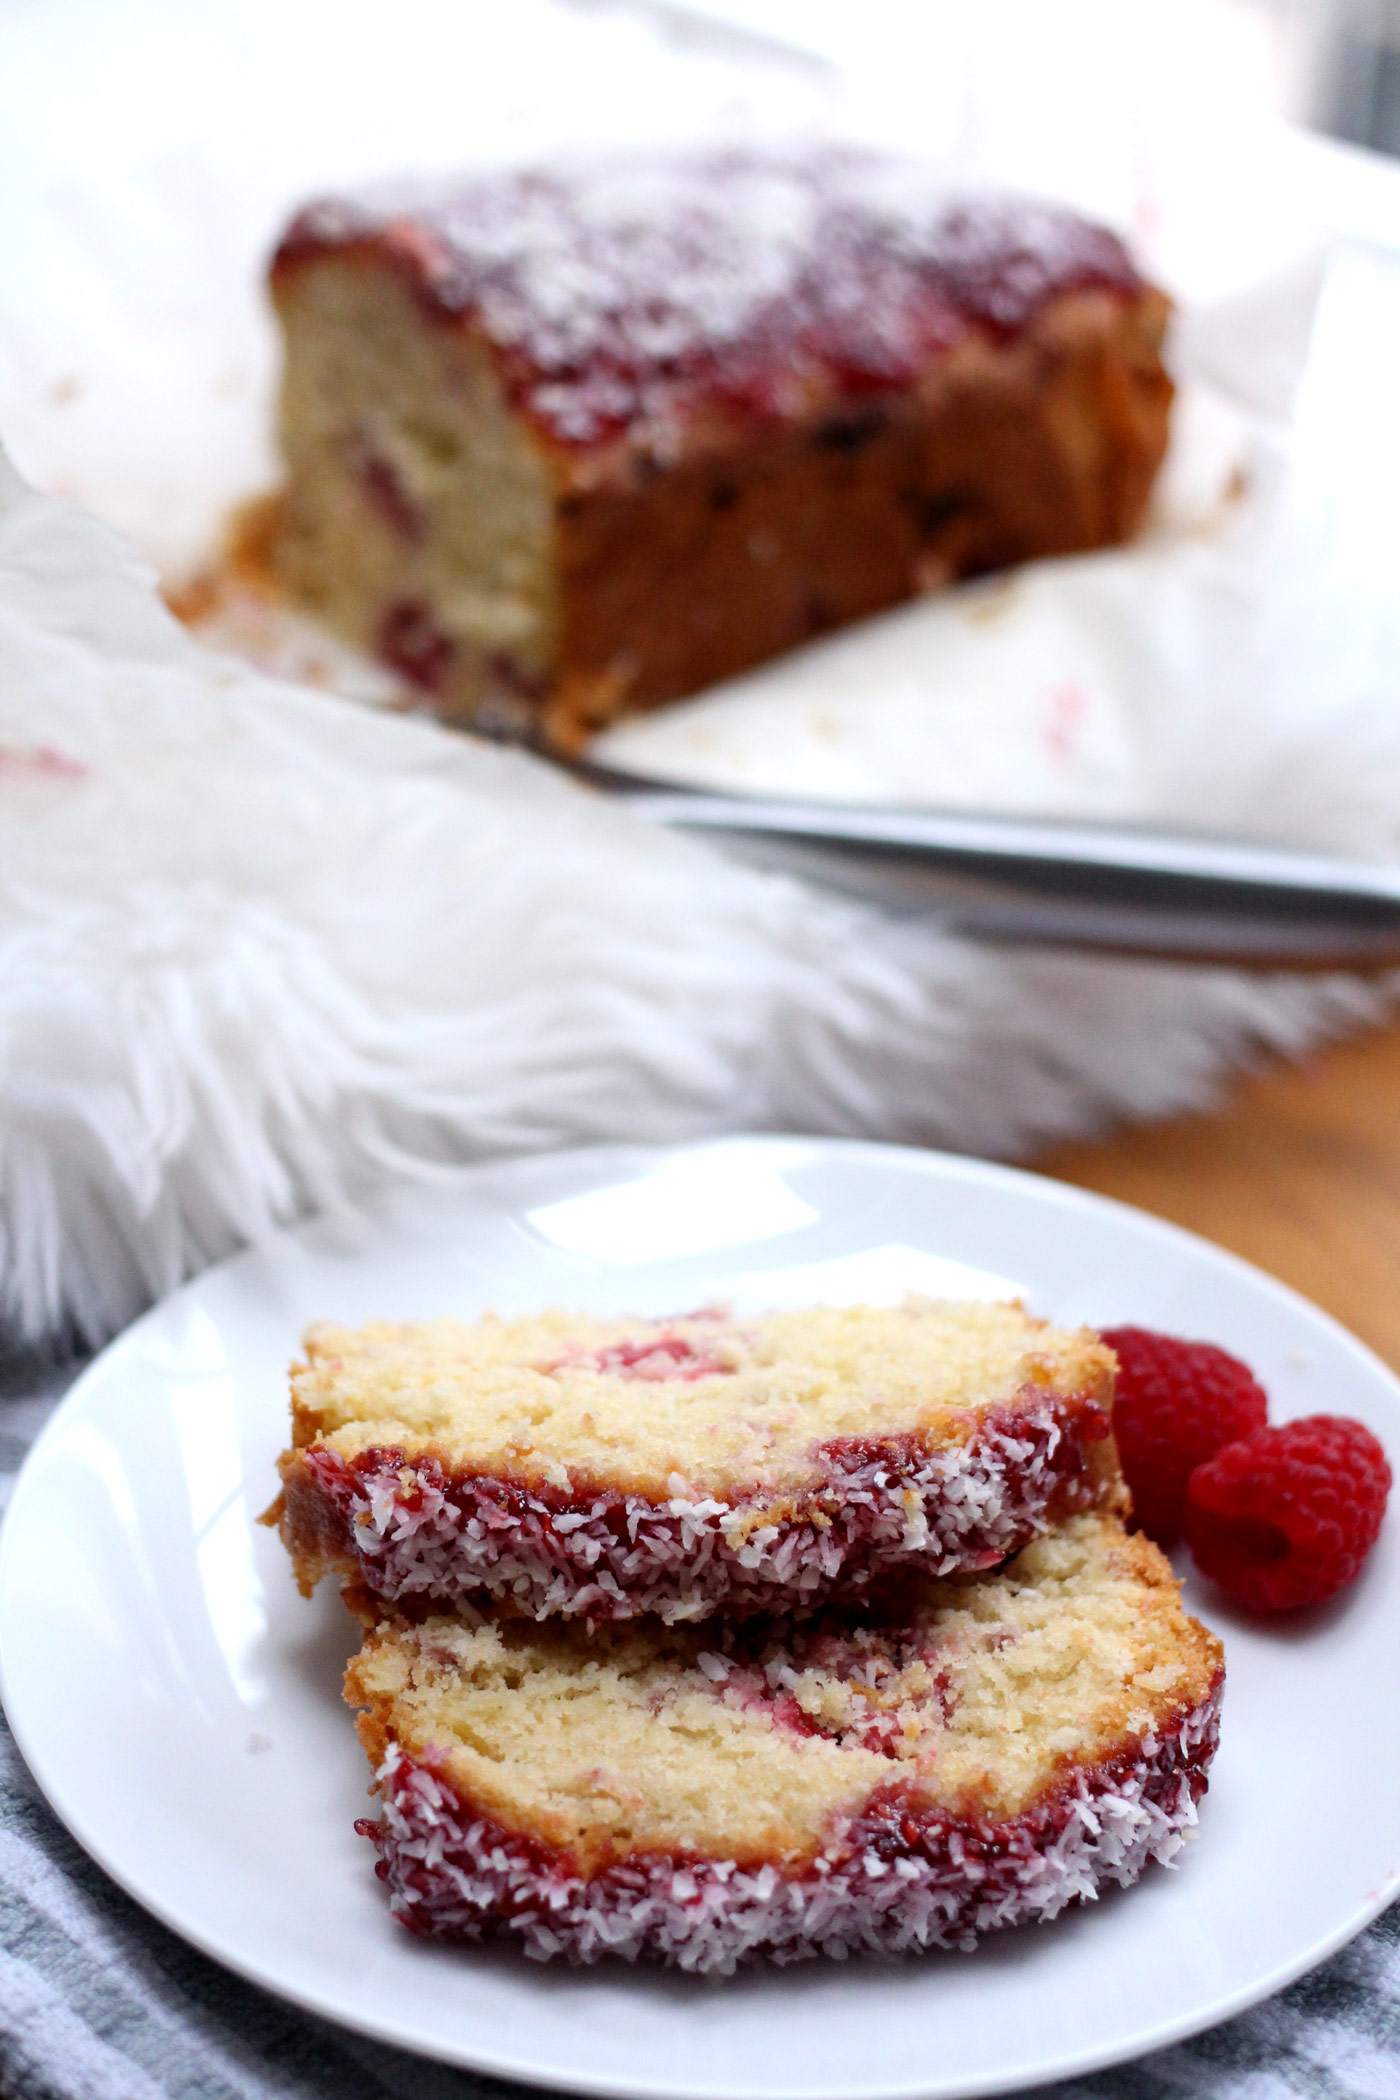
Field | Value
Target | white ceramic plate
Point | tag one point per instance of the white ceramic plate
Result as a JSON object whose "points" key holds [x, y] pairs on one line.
{"points": [[177, 1700]]}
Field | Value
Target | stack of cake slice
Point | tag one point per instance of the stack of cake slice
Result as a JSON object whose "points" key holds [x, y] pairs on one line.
{"points": [[695, 1639]]}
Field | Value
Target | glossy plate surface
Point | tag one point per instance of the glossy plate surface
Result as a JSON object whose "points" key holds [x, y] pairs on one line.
{"points": [[178, 1702]]}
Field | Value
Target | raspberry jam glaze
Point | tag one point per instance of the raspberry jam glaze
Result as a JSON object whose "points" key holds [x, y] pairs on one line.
{"points": [[900, 1874], [619, 293], [412, 1527]]}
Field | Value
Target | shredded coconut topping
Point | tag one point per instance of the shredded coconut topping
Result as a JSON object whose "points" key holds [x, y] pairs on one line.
{"points": [[621, 291]]}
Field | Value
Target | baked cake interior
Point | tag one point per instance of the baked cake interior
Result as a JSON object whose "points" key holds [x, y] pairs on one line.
{"points": [[414, 483], [697, 1397]]}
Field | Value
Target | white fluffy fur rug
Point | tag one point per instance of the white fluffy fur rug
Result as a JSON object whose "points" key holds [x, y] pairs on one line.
{"points": [[260, 949]]}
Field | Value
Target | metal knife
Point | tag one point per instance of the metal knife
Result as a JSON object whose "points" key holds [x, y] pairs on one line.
{"points": [[1126, 888]]}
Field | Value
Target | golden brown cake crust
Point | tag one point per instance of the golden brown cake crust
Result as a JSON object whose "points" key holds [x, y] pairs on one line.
{"points": [[1001, 454]]}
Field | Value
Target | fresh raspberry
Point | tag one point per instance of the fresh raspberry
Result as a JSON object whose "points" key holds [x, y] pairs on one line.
{"points": [[1176, 1403], [1285, 1517]]}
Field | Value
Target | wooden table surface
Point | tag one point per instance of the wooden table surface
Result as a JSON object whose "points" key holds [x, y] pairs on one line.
{"points": [[1298, 1170]]}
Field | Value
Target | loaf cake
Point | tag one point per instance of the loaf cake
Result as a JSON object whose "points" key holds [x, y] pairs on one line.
{"points": [[603, 1467], [568, 442], [992, 1749]]}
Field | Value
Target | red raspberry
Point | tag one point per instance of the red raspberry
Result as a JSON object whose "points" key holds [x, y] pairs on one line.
{"points": [[1177, 1403], [1286, 1517]]}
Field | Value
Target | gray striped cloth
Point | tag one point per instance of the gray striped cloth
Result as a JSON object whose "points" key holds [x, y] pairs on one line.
{"points": [[98, 2002]]}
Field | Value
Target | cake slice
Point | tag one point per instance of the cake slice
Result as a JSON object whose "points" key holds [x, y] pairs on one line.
{"points": [[566, 442], [604, 1467], [993, 1749]]}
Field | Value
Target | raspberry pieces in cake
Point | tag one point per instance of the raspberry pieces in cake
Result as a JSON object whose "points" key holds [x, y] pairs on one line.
{"points": [[604, 1468], [985, 1753]]}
